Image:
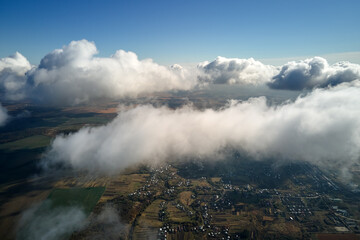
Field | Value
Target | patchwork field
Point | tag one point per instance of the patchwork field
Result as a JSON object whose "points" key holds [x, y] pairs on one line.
{"points": [[236, 223], [123, 185], [148, 224]]}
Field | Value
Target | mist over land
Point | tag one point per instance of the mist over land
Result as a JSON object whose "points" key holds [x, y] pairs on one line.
{"points": [[317, 122]]}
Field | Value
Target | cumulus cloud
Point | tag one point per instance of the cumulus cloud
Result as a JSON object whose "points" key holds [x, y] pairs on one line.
{"points": [[46, 223], [322, 127], [12, 76], [74, 75], [314, 72], [3, 115], [236, 71]]}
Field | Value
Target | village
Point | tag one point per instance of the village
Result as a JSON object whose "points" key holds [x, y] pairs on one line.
{"points": [[211, 207]]}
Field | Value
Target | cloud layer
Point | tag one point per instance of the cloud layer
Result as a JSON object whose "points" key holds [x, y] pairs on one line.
{"points": [[73, 75], [322, 127], [314, 72]]}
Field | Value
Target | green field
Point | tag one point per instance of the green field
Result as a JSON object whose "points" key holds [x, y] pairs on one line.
{"points": [[86, 120], [33, 142], [83, 197]]}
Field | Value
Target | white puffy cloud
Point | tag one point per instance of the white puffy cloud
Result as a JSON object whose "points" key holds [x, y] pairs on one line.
{"points": [[294, 75], [322, 127], [314, 72], [3, 115], [12, 76], [236, 71], [73, 75]]}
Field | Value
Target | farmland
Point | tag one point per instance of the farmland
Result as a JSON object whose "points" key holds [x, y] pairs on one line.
{"points": [[86, 198], [234, 198]]}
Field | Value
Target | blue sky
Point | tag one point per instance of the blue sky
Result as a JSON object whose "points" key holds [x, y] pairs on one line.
{"points": [[182, 31]]}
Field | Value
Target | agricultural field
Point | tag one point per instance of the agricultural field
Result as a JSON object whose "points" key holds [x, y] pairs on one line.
{"points": [[147, 225], [176, 214], [28, 143], [123, 185], [86, 198], [186, 198]]}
